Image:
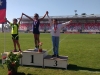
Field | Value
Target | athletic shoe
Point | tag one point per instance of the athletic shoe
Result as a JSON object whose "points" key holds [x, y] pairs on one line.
{"points": [[53, 55], [15, 50], [57, 56], [20, 50], [36, 49]]}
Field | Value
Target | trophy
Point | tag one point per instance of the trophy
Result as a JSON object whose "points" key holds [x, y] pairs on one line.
{"points": [[40, 47]]}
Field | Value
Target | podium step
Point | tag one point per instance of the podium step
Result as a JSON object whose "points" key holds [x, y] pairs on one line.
{"points": [[60, 62], [33, 57]]}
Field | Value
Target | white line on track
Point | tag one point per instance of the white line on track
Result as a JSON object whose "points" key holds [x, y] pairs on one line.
{"points": [[59, 43]]}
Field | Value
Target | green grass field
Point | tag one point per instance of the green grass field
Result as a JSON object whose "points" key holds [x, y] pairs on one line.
{"points": [[83, 51]]}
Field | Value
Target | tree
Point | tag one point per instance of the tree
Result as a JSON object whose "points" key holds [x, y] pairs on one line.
{"points": [[83, 14], [75, 12]]}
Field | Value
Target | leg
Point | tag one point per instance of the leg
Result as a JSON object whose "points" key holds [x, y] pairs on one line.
{"points": [[53, 42], [35, 41], [17, 42], [57, 46], [14, 43], [38, 40]]}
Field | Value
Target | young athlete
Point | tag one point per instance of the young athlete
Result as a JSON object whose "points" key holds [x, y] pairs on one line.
{"points": [[14, 33], [55, 33], [36, 23]]}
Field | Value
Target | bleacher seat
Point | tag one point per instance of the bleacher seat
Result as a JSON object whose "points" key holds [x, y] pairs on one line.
{"points": [[73, 27]]}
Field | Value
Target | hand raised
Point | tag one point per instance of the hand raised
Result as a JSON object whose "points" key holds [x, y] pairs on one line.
{"points": [[23, 14], [47, 12]]}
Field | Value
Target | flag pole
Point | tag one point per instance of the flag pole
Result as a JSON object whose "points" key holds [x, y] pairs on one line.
{"points": [[4, 39], [4, 32]]}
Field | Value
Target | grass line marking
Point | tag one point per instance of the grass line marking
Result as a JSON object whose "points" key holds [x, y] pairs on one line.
{"points": [[59, 43]]}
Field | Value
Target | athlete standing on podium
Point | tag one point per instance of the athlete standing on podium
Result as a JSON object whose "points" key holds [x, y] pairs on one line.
{"points": [[55, 33], [36, 23], [14, 32]]}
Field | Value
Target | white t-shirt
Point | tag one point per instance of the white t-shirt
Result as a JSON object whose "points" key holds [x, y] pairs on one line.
{"points": [[59, 26]]}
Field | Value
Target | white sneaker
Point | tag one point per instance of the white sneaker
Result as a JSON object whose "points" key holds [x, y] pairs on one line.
{"points": [[36, 49]]}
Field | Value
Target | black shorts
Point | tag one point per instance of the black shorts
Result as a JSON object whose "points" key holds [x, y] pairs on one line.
{"points": [[15, 36], [36, 32]]}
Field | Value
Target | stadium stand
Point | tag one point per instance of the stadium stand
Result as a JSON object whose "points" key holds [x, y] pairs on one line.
{"points": [[73, 27], [80, 24]]}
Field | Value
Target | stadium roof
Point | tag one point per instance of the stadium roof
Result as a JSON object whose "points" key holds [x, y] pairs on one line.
{"points": [[70, 17]]}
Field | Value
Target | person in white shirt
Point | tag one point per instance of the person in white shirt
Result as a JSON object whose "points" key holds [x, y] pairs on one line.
{"points": [[55, 33]]}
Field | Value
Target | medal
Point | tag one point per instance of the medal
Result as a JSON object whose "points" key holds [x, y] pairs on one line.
{"points": [[55, 28], [35, 22]]}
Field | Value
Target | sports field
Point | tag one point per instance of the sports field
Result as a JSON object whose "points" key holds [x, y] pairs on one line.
{"points": [[83, 51]]}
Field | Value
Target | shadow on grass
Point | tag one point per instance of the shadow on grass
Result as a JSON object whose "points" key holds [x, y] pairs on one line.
{"points": [[0, 61], [77, 68], [71, 67], [21, 73], [1, 64]]}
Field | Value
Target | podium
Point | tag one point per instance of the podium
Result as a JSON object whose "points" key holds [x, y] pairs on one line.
{"points": [[33, 57], [60, 62], [5, 54]]}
